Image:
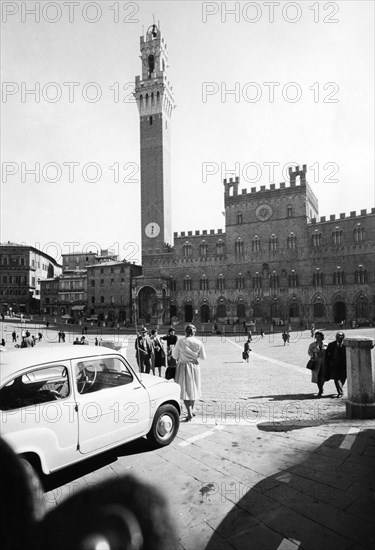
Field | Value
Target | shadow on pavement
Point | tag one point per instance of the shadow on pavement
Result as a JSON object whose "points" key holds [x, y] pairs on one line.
{"points": [[291, 396], [90, 465], [324, 502], [287, 426]]}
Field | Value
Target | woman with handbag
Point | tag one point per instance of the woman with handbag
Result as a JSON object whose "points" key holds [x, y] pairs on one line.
{"points": [[316, 364], [187, 353]]}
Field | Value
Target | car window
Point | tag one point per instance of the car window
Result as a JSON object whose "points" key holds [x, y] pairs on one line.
{"points": [[100, 374], [34, 387]]}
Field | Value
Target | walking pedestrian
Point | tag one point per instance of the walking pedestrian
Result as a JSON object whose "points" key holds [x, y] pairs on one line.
{"points": [[143, 351], [246, 350], [335, 358], [187, 353], [14, 336], [262, 333], [158, 357], [316, 352], [285, 337]]}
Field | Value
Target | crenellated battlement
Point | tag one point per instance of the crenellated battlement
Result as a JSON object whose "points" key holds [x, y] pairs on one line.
{"points": [[231, 185], [199, 233], [342, 216]]}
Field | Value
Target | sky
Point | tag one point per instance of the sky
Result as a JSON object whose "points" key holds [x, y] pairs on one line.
{"points": [[258, 86]]}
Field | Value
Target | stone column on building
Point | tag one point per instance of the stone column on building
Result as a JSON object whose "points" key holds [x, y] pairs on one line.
{"points": [[361, 377], [159, 310]]}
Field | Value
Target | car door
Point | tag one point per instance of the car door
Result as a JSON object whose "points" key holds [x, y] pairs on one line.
{"points": [[113, 406], [38, 414]]}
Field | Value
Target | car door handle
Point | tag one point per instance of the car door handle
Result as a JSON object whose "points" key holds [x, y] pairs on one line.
{"points": [[137, 388]]}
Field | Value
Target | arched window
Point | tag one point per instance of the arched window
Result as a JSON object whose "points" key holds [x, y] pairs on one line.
{"points": [[239, 249], [291, 241], [203, 247], [289, 211], [220, 248], [316, 239], [359, 233], [172, 283], [240, 282], [274, 281], [239, 218], [361, 307], [186, 249], [293, 279], [220, 283], [337, 236], [257, 281], [318, 278], [255, 245], [360, 275], [203, 283], [339, 277], [273, 242], [151, 64], [187, 283]]}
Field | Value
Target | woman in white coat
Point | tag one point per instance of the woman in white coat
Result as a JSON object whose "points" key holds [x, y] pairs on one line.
{"points": [[187, 353]]}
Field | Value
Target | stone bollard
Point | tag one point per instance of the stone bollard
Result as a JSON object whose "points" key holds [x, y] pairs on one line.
{"points": [[361, 377]]}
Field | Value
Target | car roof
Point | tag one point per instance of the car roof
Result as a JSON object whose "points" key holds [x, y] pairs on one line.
{"points": [[15, 360]]}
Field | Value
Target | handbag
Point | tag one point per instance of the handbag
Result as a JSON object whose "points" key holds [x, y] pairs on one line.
{"points": [[245, 355], [170, 373], [311, 364]]}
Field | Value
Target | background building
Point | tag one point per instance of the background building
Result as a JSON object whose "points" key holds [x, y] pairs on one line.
{"points": [[276, 261], [22, 271], [109, 291]]}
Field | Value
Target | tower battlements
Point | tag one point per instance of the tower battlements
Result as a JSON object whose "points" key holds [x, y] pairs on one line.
{"points": [[231, 185]]}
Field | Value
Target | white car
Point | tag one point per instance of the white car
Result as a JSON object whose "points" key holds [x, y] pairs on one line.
{"points": [[62, 403]]}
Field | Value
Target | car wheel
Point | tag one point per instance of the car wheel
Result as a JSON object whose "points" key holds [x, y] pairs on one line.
{"points": [[164, 426]]}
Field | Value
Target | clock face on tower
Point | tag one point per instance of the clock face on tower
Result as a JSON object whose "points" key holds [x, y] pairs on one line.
{"points": [[152, 229], [263, 212]]}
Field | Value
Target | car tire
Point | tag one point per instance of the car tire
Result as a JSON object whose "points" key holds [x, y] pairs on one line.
{"points": [[164, 426]]}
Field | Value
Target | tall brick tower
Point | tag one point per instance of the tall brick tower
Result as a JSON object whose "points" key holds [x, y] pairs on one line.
{"points": [[155, 102]]}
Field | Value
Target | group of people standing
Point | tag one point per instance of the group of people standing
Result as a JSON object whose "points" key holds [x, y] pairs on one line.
{"points": [[181, 357], [329, 362]]}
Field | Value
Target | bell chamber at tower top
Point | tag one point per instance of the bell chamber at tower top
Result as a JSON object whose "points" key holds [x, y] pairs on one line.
{"points": [[152, 90]]}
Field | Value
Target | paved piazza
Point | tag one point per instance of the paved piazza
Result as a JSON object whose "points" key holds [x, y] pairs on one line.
{"points": [[264, 464]]}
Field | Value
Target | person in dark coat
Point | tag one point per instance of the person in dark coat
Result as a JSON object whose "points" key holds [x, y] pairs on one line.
{"points": [[317, 352], [246, 350], [335, 357], [143, 351], [158, 358]]}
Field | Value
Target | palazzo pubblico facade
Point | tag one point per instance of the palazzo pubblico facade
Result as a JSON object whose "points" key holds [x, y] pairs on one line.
{"points": [[276, 261]]}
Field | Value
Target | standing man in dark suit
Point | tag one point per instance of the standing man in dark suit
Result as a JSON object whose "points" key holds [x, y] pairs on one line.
{"points": [[143, 351], [335, 358]]}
